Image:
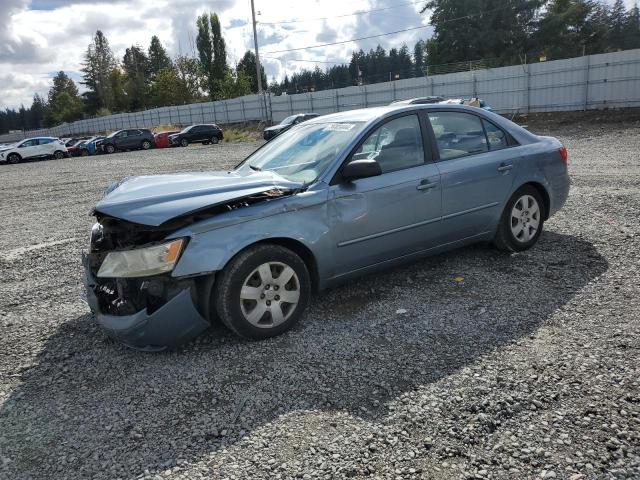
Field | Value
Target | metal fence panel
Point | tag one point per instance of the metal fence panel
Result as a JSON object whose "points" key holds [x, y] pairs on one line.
{"points": [[589, 82]]}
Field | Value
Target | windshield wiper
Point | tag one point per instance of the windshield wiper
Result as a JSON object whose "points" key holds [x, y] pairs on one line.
{"points": [[257, 169]]}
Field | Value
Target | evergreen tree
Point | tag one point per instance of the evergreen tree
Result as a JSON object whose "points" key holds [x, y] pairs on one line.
{"points": [[99, 62], [65, 104], [248, 65], [37, 110], [469, 29], [136, 66], [632, 29], [158, 58], [212, 53]]}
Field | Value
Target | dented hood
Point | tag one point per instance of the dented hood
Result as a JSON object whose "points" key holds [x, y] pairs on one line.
{"points": [[155, 199]]}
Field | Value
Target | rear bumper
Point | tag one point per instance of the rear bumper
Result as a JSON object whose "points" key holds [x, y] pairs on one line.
{"points": [[172, 324], [560, 192]]}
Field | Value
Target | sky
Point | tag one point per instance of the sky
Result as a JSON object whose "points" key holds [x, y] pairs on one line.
{"points": [[41, 37]]}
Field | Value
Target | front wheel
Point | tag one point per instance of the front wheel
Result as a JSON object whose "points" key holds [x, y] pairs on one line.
{"points": [[84, 153], [521, 222], [58, 154], [262, 292], [13, 158], [184, 142], [110, 148], [146, 145]]}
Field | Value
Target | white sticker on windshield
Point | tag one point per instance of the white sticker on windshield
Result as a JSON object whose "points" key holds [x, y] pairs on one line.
{"points": [[338, 127]]}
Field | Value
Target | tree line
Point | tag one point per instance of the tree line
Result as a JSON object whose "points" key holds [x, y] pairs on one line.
{"points": [[506, 31]]}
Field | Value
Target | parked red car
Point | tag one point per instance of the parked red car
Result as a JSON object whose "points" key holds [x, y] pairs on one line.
{"points": [[162, 139]]}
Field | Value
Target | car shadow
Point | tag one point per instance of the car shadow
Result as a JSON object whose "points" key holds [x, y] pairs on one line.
{"points": [[88, 401]]}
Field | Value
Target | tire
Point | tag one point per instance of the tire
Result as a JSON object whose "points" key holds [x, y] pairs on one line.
{"points": [[58, 154], [84, 153], [184, 142], [521, 222], [251, 316], [13, 158], [146, 145], [214, 140], [109, 148]]}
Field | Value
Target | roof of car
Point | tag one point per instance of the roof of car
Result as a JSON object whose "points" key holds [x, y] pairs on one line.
{"points": [[374, 113]]}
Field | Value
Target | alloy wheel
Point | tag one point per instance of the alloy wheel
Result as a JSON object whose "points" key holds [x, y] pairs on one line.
{"points": [[525, 218], [270, 294]]}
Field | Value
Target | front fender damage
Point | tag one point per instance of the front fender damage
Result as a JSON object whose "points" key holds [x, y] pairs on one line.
{"points": [[153, 313]]}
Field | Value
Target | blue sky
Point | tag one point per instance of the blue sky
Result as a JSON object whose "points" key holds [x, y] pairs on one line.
{"points": [[41, 37]]}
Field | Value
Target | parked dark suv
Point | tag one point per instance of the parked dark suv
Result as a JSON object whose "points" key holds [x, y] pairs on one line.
{"points": [[129, 139], [286, 124], [204, 134]]}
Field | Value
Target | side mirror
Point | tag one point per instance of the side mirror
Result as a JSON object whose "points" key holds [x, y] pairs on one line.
{"points": [[361, 169]]}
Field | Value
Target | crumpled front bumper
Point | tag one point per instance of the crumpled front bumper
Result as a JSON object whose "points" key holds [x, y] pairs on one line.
{"points": [[174, 323]]}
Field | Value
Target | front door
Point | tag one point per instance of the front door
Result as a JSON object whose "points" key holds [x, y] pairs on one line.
{"points": [[380, 218], [476, 169]]}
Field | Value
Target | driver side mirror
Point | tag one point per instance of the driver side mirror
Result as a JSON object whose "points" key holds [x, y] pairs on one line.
{"points": [[361, 169]]}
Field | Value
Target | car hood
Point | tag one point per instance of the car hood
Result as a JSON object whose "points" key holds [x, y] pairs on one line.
{"points": [[155, 199]]}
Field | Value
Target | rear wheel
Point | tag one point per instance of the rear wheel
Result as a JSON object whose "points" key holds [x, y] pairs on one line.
{"points": [[13, 158], [521, 222], [262, 292], [146, 145], [184, 142], [214, 140], [58, 154]]}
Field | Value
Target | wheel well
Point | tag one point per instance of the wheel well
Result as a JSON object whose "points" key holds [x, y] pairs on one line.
{"points": [[302, 251], [545, 197]]}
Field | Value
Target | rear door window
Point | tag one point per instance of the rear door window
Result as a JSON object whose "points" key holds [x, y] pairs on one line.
{"points": [[496, 137], [458, 134]]}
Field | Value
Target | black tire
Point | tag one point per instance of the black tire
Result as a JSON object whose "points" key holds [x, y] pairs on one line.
{"points": [[505, 238], [214, 140], [13, 158], [184, 142], [84, 153], [58, 155], [226, 291], [146, 145], [109, 148]]}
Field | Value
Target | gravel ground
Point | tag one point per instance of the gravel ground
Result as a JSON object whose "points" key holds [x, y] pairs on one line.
{"points": [[470, 364]]}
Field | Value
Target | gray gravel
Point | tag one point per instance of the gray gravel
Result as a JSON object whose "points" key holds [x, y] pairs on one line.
{"points": [[471, 364]]}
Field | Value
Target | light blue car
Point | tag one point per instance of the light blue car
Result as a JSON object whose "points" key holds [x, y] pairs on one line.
{"points": [[333, 198]]}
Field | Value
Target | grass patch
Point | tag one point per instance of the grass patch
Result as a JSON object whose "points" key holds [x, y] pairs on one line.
{"points": [[239, 134]]}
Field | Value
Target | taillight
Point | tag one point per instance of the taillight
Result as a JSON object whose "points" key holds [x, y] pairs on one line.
{"points": [[564, 155]]}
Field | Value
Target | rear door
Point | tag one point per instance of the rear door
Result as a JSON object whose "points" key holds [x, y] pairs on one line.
{"points": [[47, 146], [476, 168], [380, 218]]}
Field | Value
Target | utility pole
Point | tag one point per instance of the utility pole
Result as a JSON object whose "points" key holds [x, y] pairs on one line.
{"points": [[258, 72]]}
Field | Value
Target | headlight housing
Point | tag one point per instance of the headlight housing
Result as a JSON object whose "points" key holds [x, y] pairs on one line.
{"points": [[142, 262]]}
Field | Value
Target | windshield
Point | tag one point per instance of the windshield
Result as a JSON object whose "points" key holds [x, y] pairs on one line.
{"points": [[304, 152], [186, 129], [113, 134], [288, 120]]}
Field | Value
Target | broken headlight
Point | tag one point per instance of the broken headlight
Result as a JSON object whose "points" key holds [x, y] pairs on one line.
{"points": [[141, 262]]}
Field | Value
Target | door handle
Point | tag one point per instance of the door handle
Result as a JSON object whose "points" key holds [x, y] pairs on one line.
{"points": [[426, 185], [505, 168]]}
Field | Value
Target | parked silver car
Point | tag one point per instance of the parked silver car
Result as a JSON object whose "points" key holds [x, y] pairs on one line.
{"points": [[334, 197]]}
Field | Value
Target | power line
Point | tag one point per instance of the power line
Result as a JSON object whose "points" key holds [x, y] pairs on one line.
{"points": [[348, 41], [387, 33], [360, 12]]}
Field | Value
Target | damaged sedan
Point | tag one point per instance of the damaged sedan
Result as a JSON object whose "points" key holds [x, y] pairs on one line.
{"points": [[332, 198]]}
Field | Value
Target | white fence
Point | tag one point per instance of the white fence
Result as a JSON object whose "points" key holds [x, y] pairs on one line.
{"points": [[589, 82]]}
